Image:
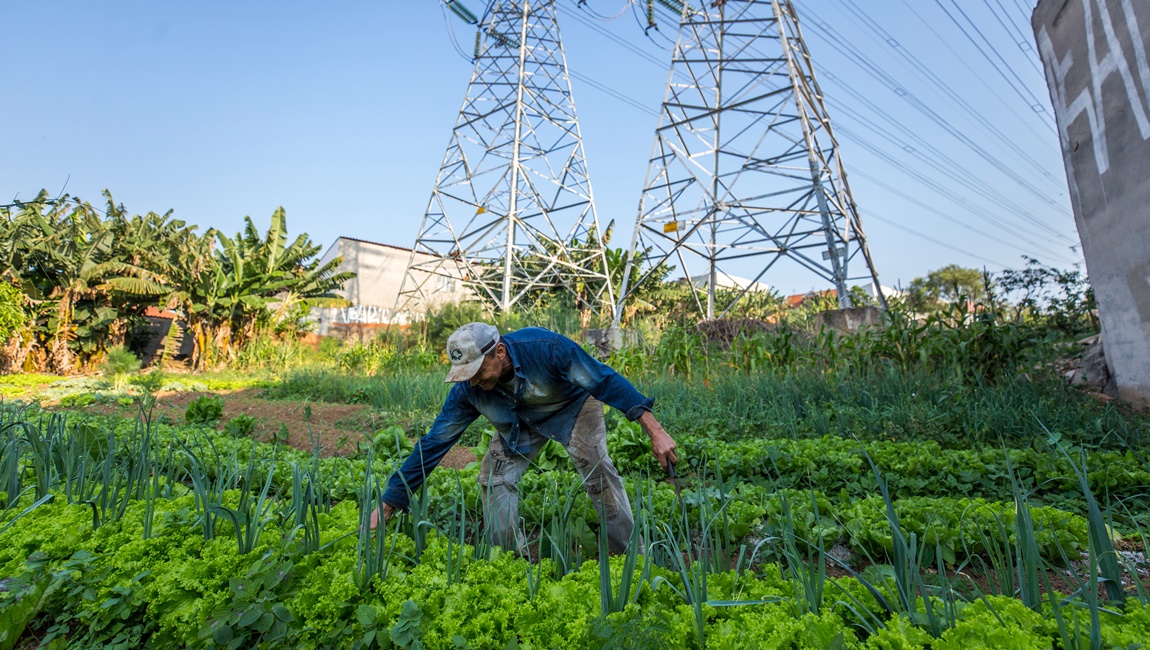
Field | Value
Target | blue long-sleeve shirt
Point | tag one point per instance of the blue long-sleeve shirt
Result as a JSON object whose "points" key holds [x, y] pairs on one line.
{"points": [[554, 376]]}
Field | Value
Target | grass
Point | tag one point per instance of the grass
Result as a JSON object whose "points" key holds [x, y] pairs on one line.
{"points": [[30, 379], [895, 404], [21, 385], [892, 404], [404, 390]]}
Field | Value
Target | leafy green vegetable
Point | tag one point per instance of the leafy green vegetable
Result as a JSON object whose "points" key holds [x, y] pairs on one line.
{"points": [[406, 633], [205, 409]]}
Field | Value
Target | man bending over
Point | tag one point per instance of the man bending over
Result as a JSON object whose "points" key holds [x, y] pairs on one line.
{"points": [[532, 385]]}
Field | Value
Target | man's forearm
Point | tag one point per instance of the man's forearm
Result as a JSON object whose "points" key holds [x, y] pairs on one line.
{"points": [[650, 425], [429, 450]]}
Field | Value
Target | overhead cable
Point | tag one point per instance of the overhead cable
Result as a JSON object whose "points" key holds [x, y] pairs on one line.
{"points": [[1017, 84]]}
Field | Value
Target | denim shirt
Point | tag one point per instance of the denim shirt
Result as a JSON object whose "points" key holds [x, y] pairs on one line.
{"points": [[553, 377]]}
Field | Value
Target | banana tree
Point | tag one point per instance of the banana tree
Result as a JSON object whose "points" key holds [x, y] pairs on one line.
{"points": [[228, 300], [85, 276], [66, 261]]}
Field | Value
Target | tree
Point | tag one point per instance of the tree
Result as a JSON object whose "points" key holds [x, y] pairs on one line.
{"points": [[1049, 296], [12, 317], [67, 262], [86, 279], [585, 292], [951, 283], [226, 294]]}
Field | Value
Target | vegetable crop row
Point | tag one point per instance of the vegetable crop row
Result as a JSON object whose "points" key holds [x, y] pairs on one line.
{"points": [[173, 589]]}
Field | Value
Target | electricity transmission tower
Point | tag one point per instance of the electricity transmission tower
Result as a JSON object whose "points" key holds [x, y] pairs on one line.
{"points": [[745, 169], [512, 213]]}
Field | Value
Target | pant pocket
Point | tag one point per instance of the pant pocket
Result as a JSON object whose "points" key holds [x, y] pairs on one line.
{"points": [[492, 472]]}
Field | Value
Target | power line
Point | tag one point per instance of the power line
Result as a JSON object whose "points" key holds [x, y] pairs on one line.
{"points": [[1046, 118], [891, 222], [1023, 41], [1019, 87], [582, 4], [949, 167], [874, 70], [634, 103], [449, 24], [1025, 9], [932, 209], [647, 56], [954, 197], [886, 38]]}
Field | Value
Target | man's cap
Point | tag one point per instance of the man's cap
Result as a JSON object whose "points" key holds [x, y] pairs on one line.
{"points": [[466, 348]]}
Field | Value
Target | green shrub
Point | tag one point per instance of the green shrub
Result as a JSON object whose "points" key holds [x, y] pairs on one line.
{"points": [[276, 353], [817, 527], [28, 379], [960, 527], [236, 383], [205, 409], [183, 386], [120, 365], [21, 385], [630, 447], [254, 614]]}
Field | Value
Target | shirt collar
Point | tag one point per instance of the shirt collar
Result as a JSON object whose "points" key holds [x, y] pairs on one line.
{"points": [[507, 345]]}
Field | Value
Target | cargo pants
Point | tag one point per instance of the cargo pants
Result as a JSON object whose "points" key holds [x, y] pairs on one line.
{"points": [[500, 471]]}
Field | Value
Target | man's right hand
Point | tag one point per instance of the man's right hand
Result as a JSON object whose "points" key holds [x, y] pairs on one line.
{"points": [[387, 512]]}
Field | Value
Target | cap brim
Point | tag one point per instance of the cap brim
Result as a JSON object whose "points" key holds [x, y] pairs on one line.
{"points": [[463, 372]]}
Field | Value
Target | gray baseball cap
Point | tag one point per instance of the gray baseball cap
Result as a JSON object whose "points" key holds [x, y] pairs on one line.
{"points": [[466, 348]]}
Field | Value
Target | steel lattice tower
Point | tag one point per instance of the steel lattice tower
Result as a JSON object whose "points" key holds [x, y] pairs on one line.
{"points": [[745, 164], [512, 211]]}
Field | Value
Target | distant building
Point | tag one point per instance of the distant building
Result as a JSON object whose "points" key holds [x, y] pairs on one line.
{"points": [[379, 270], [726, 281], [889, 293]]}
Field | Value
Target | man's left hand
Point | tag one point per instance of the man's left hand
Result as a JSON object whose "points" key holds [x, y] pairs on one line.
{"points": [[662, 445], [385, 510]]}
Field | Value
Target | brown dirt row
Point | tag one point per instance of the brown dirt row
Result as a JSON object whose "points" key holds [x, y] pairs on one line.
{"points": [[337, 428]]}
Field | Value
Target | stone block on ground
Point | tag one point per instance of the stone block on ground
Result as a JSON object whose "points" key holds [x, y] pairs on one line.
{"points": [[850, 320]]}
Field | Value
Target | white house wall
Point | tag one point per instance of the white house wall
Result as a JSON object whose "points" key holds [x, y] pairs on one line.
{"points": [[379, 270]]}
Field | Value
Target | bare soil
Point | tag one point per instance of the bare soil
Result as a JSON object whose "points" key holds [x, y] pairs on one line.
{"points": [[324, 422], [337, 428]]}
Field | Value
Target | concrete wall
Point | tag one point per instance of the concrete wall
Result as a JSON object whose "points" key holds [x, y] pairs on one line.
{"points": [[379, 270], [1095, 56], [850, 320]]}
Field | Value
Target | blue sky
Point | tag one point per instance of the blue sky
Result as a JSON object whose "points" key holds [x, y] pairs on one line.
{"points": [[340, 112]]}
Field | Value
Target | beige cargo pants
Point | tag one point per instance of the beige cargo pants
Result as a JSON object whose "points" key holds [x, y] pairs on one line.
{"points": [[500, 471]]}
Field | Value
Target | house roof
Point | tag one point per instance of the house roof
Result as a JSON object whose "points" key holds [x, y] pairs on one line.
{"points": [[156, 312], [797, 299]]}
